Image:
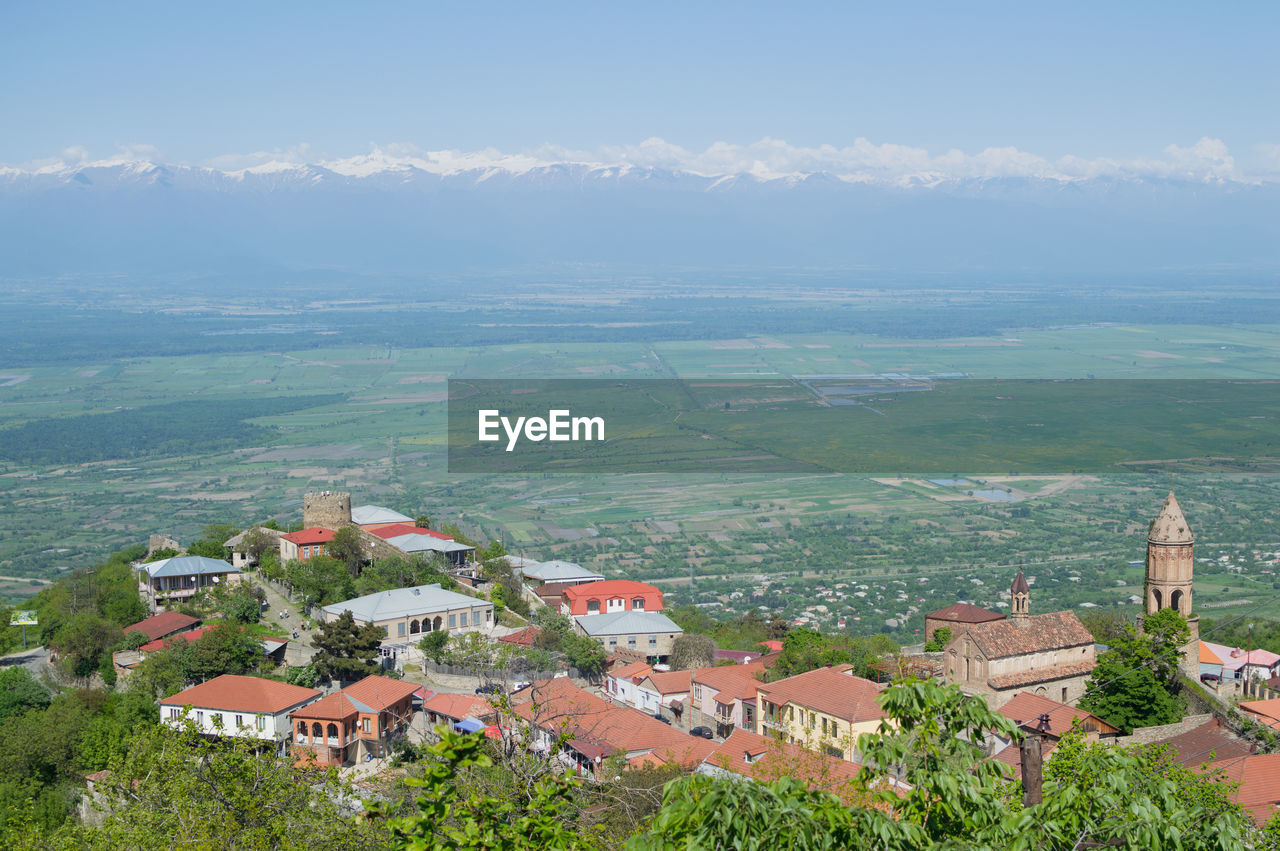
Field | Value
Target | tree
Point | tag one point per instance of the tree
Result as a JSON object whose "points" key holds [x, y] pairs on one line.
{"points": [[692, 651], [304, 675], [19, 692], [348, 548], [422, 521], [347, 650], [228, 648], [241, 605], [806, 649], [84, 641], [938, 640], [1135, 683], [433, 645], [209, 548], [320, 580], [455, 815], [256, 543]]}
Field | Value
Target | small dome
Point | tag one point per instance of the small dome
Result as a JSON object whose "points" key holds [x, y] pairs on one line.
{"points": [[1170, 526]]}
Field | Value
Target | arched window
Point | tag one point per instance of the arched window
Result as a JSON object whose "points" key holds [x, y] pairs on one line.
{"points": [[1175, 600], [1041, 691], [302, 731], [1157, 599], [414, 627], [315, 731], [437, 622], [333, 730], [426, 624]]}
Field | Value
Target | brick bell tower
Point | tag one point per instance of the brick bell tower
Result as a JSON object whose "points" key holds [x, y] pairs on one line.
{"points": [[1170, 551]]}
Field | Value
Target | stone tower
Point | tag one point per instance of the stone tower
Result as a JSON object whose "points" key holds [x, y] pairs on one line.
{"points": [[1170, 550], [330, 509], [1020, 599]]}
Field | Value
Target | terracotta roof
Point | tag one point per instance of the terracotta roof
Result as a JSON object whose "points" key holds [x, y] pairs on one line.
{"points": [[609, 588], [314, 535], [775, 646], [1268, 711], [772, 759], [1049, 631], [188, 636], [243, 694], [395, 530], [1044, 674], [671, 682], [165, 623], [1170, 526], [458, 706], [559, 705], [332, 707], [1259, 779], [1209, 742], [965, 613], [631, 669], [378, 693], [1207, 656], [833, 691], [555, 589], [1027, 707], [522, 637], [731, 682]]}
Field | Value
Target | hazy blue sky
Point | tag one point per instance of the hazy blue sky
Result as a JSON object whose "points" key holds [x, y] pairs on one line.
{"points": [[201, 80]]}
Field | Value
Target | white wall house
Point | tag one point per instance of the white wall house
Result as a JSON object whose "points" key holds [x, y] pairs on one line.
{"points": [[247, 707]]}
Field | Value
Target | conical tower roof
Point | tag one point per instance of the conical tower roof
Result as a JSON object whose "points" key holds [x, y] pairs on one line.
{"points": [[1170, 526], [1020, 585]]}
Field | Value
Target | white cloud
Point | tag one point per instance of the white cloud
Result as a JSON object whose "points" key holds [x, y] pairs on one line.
{"points": [[1207, 160]]}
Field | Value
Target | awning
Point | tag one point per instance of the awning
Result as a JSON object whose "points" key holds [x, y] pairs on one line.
{"points": [[469, 725]]}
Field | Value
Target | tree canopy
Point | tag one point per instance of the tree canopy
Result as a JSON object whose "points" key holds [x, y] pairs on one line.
{"points": [[348, 651]]}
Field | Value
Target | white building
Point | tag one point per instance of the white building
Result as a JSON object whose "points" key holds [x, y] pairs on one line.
{"points": [[230, 705]]}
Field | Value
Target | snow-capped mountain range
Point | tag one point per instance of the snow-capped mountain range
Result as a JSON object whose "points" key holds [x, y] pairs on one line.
{"points": [[770, 204]]}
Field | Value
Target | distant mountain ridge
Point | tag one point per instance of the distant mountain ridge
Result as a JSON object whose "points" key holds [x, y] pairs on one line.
{"points": [[451, 211]]}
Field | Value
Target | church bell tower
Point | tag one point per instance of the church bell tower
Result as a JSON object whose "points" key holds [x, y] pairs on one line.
{"points": [[1170, 549], [1019, 599]]}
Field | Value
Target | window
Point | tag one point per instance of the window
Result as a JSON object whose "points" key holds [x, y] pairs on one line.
{"points": [[488, 616], [653, 642], [364, 725], [386, 631], [637, 604], [262, 722], [400, 629], [631, 642], [173, 714], [414, 627], [239, 721], [1064, 694], [453, 621], [463, 619], [613, 641], [199, 717], [593, 607]]}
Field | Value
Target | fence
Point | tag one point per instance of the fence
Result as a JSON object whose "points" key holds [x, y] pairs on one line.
{"points": [[485, 673]]}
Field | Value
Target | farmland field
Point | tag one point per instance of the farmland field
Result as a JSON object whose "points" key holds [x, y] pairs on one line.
{"points": [[875, 550]]}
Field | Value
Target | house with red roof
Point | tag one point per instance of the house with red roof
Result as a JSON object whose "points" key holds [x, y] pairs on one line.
{"points": [[621, 681], [724, 697], [664, 688], [355, 723], [751, 756], [232, 705], [305, 544], [419, 540], [824, 710], [163, 625], [181, 638], [584, 729], [957, 617], [1259, 779], [608, 596], [522, 637], [1026, 708], [445, 708]]}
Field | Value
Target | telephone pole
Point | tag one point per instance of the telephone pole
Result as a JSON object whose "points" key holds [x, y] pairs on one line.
{"points": [[1033, 762]]}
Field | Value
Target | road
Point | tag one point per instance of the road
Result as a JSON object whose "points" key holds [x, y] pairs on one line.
{"points": [[299, 652]]}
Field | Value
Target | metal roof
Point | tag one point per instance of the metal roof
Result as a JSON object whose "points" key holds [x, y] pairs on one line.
{"points": [[626, 623], [427, 543], [556, 571], [405, 602], [187, 566], [362, 515]]}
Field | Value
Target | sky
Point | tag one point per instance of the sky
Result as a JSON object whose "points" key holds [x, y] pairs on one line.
{"points": [[192, 83]]}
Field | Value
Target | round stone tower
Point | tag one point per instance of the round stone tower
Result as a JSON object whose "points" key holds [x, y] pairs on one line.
{"points": [[330, 509], [1170, 563]]}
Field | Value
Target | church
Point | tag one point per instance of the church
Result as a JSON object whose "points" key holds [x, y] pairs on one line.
{"points": [[1052, 654]]}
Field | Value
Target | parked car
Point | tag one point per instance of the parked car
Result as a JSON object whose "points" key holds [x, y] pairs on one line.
{"points": [[658, 715], [491, 688], [702, 732]]}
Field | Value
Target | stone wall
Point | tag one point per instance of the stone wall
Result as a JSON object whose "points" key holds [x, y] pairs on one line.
{"points": [[1147, 735], [328, 509]]}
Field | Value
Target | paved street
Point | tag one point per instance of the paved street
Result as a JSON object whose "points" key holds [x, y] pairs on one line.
{"points": [[299, 651]]}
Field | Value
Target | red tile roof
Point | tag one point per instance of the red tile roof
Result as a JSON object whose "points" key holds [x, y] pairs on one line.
{"points": [[395, 530], [1040, 675], [165, 623], [833, 691], [772, 759], [380, 693], [1259, 779], [671, 682], [559, 705], [523, 637], [161, 643], [331, 707], [1266, 711], [631, 669], [1027, 707], [1209, 742], [609, 588], [965, 613], [731, 682], [314, 535], [243, 694], [458, 706], [1049, 631]]}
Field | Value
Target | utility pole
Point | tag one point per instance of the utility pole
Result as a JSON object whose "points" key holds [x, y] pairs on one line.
{"points": [[1033, 763]]}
